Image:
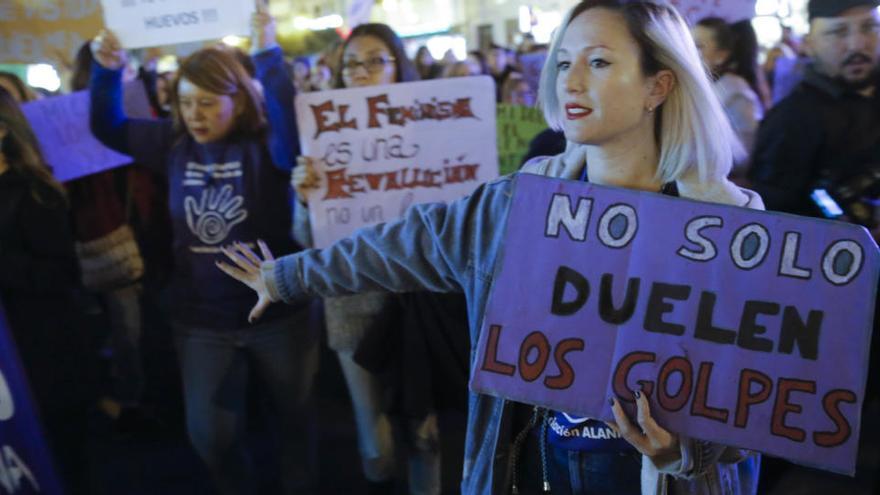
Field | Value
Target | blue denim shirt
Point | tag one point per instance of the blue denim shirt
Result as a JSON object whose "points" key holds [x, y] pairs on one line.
{"points": [[454, 248]]}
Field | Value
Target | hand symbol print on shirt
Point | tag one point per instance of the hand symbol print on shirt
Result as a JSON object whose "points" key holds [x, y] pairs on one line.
{"points": [[212, 217]]}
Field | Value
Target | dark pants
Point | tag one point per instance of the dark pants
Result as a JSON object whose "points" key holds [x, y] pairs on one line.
{"points": [[216, 365], [572, 472], [581, 473]]}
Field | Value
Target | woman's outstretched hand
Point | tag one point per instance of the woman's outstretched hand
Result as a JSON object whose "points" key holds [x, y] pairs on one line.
{"points": [[246, 269], [647, 437]]}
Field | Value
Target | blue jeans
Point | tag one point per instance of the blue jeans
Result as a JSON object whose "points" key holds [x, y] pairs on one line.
{"points": [[375, 433], [572, 472], [581, 473], [126, 325], [215, 366]]}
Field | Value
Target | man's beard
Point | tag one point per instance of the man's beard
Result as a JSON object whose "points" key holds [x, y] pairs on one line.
{"points": [[869, 80], [865, 83]]}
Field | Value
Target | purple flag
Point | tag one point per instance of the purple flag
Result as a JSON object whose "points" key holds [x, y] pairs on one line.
{"points": [[61, 124], [25, 462]]}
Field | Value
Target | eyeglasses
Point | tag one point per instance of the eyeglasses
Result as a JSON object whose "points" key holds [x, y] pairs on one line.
{"points": [[372, 64]]}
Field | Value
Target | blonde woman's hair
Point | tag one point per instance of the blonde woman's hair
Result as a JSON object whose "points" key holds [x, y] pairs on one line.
{"points": [[691, 127]]}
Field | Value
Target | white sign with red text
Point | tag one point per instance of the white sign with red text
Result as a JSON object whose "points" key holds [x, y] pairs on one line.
{"points": [[729, 10], [381, 149]]}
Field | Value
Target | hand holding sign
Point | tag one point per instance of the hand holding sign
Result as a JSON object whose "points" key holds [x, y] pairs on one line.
{"points": [[262, 29], [648, 438], [729, 321], [304, 177], [108, 51]]}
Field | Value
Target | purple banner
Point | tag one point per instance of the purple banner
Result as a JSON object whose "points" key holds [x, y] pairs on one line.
{"points": [[532, 65], [61, 124], [745, 328], [25, 463]]}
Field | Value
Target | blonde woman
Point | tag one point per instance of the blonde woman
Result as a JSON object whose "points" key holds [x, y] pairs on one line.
{"points": [[625, 83]]}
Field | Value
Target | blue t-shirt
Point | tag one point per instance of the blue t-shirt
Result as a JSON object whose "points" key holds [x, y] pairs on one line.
{"points": [[584, 434], [232, 190]]}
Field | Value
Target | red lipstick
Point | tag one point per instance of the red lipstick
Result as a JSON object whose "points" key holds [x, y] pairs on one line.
{"points": [[574, 111]]}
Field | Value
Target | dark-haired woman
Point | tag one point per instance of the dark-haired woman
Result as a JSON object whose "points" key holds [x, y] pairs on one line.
{"points": [[730, 52], [425, 64], [38, 285], [118, 211], [227, 172], [373, 55]]}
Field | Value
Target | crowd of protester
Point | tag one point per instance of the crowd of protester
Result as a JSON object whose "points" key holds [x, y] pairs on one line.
{"points": [[90, 257]]}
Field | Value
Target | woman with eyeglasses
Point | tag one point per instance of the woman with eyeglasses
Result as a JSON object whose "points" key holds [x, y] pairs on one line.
{"points": [[373, 55]]}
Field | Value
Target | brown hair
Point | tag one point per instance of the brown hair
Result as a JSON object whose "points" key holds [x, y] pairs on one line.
{"points": [[82, 68], [22, 151], [740, 40], [218, 71], [25, 94]]}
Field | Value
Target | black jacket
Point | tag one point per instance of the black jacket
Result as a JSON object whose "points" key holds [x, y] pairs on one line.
{"points": [[38, 282], [820, 134]]}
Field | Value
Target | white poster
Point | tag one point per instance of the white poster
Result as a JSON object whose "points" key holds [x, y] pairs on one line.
{"points": [[142, 23], [359, 13], [383, 148], [729, 10]]}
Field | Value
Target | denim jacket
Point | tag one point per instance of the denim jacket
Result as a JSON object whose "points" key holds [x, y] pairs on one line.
{"points": [[453, 248]]}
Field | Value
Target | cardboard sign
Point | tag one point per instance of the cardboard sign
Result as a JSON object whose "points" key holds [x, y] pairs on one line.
{"points": [[517, 126], [381, 149], [744, 328], [61, 124], [532, 65], [25, 461], [141, 23], [729, 10], [48, 31]]}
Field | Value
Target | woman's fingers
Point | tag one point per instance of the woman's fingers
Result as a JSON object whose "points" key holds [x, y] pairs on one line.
{"points": [[659, 438], [258, 310], [248, 253], [264, 248], [240, 261], [628, 431], [643, 417], [233, 272], [647, 437]]}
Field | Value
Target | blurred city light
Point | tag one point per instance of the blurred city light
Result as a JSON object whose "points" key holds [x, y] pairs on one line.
{"points": [[43, 76], [332, 21], [236, 41]]}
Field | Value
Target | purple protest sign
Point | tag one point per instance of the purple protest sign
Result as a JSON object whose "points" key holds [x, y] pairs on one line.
{"points": [[745, 328], [61, 124], [25, 462], [532, 65]]}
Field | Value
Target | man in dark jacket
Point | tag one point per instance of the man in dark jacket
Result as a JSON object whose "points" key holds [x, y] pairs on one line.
{"points": [[826, 134]]}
